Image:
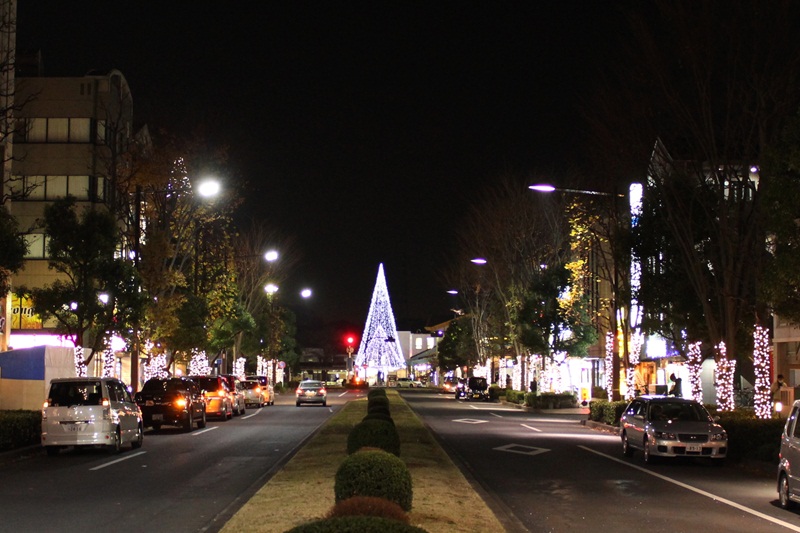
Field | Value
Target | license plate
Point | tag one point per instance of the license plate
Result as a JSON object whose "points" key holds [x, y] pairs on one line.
{"points": [[73, 427], [694, 448], [158, 417]]}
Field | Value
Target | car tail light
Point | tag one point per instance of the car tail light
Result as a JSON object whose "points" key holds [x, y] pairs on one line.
{"points": [[321, 392], [258, 390], [180, 401], [298, 391], [105, 402], [222, 393]]}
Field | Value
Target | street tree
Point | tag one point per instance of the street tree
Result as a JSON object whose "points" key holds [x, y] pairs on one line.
{"points": [[96, 293]]}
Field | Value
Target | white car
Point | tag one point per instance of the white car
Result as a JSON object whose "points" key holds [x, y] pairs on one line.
{"points": [[90, 412], [408, 382], [789, 475]]}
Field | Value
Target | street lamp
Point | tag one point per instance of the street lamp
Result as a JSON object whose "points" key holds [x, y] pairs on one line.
{"points": [[206, 188], [615, 319]]}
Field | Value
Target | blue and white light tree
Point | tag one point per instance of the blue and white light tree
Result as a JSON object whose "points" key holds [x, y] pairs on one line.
{"points": [[379, 349]]}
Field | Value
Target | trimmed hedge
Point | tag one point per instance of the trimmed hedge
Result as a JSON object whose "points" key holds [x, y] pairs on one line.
{"points": [[515, 396], [606, 412], [374, 473], [376, 393], [550, 400], [376, 415], [378, 402], [374, 433], [356, 524], [20, 428], [368, 506]]}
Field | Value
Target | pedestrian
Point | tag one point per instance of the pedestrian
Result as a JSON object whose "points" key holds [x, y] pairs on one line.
{"points": [[675, 390], [775, 389]]}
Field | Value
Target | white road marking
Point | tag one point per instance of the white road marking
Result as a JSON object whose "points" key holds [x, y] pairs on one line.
{"points": [[131, 456], [531, 428], [698, 491], [470, 421], [494, 409], [495, 414], [520, 448], [342, 394], [254, 414], [204, 430]]}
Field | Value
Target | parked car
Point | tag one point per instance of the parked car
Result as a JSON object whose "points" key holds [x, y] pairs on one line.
{"points": [[311, 391], [218, 396], [664, 426], [238, 400], [257, 394], [90, 412], [172, 402], [265, 386], [788, 477], [408, 382], [473, 388]]}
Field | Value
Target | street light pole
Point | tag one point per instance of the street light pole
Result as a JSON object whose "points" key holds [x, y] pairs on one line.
{"points": [[614, 319]]}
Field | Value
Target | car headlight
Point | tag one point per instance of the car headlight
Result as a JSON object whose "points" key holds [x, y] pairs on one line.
{"points": [[719, 436], [666, 435]]}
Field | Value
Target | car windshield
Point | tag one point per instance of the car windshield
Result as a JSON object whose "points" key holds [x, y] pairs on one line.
{"points": [[164, 385], [75, 393], [311, 385], [209, 384], [690, 412], [250, 384]]}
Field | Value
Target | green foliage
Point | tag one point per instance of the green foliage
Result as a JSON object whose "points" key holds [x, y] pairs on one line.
{"points": [[515, 396], [374, 473], [374, 433], [81, 247], [368, 506], [457, 348], [606, 412], [376, 393], [752, 438], [378, 415], [496, 392], [550, 400], [12, 243], [378, 402], [356, 524], [599, 393], [20, 428]]}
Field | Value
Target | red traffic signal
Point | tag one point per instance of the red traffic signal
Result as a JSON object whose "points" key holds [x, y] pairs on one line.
{"points": [[349, 340]]}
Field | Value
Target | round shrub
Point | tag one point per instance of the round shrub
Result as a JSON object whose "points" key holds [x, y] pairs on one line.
{"points": [[375, 434], [379, 408], [378, 400], [376, 415], [368, 506], [376, 393], [374, 473], [361, 524]]}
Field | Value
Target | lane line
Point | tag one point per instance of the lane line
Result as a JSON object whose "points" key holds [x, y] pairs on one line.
{"points": [[531, 427], [495, 414], [204, 430], [254, 414], [115, 461], [699, 491]]}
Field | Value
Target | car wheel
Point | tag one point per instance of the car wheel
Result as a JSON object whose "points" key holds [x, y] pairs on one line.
{"points": [[325, 403], [297, 404], [244, 410], [202, 423], [783, 492], [627, 451], [137, 442], [648, 457], [229, 413], [188, 425], [52, 450], [115, 446]]}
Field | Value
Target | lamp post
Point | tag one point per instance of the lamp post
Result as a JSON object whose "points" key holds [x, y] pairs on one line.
{"points": [[206, 188], [615, 320]]}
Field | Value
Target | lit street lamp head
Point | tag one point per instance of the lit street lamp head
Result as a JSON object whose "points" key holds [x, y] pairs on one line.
{"points": [[271, 255], [208, 188], [270, 288], [542, 187]]}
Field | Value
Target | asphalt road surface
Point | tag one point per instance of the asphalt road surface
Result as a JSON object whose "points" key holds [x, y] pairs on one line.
{"points": [[547, 472], [176, 482]]}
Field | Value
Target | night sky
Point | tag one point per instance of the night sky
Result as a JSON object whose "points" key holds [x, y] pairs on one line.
{"points": [[364, 130]]}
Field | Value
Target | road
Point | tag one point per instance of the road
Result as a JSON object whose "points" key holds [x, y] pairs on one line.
{"points": [[176, 482], [547, 472]]}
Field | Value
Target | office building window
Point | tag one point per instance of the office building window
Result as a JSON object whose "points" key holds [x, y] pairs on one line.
{"points": [[55, 187], [37, 248], [55, 130]]}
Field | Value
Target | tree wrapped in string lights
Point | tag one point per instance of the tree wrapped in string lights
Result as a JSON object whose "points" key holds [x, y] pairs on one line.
{"points": [[379, 348]]}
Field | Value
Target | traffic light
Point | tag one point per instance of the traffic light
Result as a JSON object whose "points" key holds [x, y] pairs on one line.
{"points": [[349, 340]]}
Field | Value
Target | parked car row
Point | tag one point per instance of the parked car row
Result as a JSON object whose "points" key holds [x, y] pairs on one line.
{"points": [[92, 411]]}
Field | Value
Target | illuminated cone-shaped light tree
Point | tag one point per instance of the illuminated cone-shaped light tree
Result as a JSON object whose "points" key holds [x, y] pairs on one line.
{"points": [[379, 348]]}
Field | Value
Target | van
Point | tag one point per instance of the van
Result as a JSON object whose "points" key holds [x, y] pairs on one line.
{"points": [[789, 459], [90, 411]]}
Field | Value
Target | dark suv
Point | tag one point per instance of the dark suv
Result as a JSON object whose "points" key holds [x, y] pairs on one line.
{"points": [[172, 401]]}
